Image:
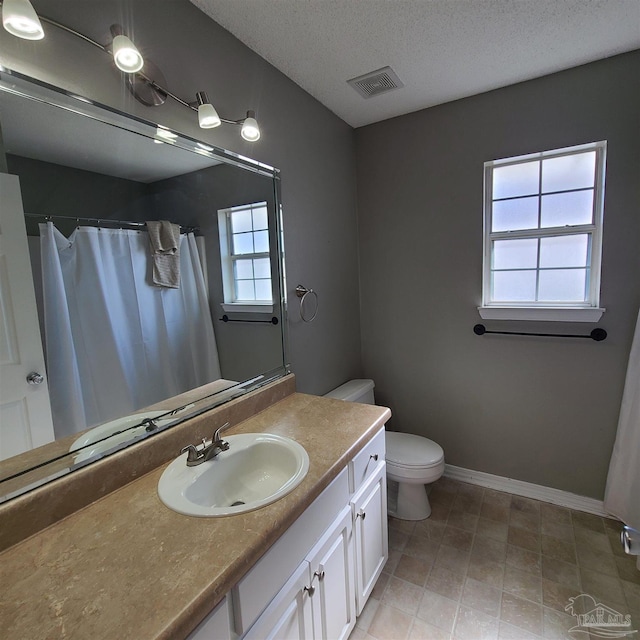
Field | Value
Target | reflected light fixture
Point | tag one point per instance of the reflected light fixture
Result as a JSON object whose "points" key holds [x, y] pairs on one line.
{"points": [[20, 19], [165, 135], [250, 130], [125, 54], [208, 117]]}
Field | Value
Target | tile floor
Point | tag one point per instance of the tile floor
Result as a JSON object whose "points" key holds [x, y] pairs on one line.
{"points": [[493, 566]]}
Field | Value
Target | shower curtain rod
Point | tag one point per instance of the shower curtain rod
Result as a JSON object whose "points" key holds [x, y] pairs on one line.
{"points": [[183, 229]]}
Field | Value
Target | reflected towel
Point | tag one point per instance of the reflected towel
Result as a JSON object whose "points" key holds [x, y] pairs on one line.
{"points": [[165, 251]]}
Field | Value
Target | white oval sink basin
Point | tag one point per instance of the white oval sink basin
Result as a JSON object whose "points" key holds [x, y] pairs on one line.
{"points": [[256, 470]]}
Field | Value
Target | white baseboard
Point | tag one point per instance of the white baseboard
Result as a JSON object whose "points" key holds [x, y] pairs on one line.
{"points": [[527, 489]]}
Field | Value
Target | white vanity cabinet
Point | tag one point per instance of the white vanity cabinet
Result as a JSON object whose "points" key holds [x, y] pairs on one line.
{"points": [[368, 485], [290, 613], [370, 534], [318, 601], [315, 580], [332, 571]]}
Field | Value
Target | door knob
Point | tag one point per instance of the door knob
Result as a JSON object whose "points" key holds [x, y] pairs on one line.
{"points": [[35, 378]]}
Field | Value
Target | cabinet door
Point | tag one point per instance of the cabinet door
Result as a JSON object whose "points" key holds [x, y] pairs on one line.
{"points": [[371, 539], [331, 563], [289, 615]]}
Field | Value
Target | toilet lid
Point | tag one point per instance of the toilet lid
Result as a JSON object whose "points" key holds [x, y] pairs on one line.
{"points": [[409, 450]]}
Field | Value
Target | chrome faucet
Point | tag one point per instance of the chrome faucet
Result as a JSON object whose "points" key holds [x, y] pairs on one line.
{"points": [[208, 449]]}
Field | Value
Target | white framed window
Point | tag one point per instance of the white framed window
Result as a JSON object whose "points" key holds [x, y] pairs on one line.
{"points": [[245, 258], [543, 235]]}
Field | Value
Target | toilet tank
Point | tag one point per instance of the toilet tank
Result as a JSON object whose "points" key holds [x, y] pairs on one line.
{"points": [[354, 391]]}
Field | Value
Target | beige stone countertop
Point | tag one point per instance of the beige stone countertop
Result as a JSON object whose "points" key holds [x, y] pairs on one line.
{"points": [[126, 566]]}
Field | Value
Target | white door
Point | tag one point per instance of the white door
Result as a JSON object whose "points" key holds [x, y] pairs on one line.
{"points": [[331, 562], [371, 538], [25, 412]]}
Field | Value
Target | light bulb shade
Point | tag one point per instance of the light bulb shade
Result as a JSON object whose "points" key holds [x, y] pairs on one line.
{"points": [[250, 130], [208, 117], [126, 56], [20, 19]]}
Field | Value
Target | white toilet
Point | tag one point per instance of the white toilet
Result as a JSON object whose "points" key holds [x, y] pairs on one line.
{"points": [[412, 461]]}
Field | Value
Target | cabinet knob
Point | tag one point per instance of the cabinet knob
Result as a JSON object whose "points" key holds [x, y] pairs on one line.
{"points": [[374, 456], [319, 575], [310, 590], [361, 514]]}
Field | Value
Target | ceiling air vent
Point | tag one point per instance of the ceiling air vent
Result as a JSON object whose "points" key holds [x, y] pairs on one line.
{"points": [[376, 82]]}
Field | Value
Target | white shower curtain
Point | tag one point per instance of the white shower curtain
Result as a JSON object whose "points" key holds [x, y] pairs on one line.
{"points": [[622, 496], [114, 342]]}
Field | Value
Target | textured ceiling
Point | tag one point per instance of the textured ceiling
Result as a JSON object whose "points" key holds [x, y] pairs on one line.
{"points": [[442, 50]]}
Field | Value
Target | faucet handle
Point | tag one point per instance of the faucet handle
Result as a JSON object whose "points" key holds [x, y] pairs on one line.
{"points": [[219, 430], [192, 453]]}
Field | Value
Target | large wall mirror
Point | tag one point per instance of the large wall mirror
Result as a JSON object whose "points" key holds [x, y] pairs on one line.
{"points": [[145, 266]]}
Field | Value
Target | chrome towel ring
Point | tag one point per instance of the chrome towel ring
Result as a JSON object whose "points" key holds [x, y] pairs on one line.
{"points": [[302, 292]]}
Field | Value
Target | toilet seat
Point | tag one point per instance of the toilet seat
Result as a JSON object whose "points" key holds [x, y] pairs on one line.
{"points": [[408, 451], [413, 459]]}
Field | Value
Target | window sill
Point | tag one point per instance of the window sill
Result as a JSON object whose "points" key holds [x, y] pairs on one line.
{"points": [[241, 307], [544, 314]]}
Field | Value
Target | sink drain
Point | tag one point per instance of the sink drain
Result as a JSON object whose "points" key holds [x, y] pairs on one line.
{"points": [[237, 503]]}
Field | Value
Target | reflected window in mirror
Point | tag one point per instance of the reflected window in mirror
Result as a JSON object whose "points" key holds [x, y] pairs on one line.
{"points": [[245, 257]]}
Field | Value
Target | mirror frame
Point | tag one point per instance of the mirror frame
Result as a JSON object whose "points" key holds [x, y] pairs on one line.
{"points": [[18, 482]]}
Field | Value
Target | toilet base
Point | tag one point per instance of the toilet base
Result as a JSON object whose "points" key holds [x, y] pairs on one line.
{"points": [[407, 501]]}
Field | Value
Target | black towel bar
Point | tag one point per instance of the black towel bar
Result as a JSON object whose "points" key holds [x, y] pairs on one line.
{"points": [[597, 334], [273, 320]]}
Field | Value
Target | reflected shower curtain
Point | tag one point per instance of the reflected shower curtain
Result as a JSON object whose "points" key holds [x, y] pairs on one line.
{"points": [[114, 342], [622, 496]]}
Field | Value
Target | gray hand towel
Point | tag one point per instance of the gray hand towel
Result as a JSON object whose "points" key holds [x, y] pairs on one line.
{"points": [[165, 251]]}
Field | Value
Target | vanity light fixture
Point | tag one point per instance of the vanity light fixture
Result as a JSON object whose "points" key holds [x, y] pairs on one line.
{"points": [[208, 117], [144, 80], [125, 54], [20, 19], [250, 130]]}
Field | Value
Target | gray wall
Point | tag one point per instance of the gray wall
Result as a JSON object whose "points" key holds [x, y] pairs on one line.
{"points": [[53, 189], [541, 410], [3, 157], [311, 146]]}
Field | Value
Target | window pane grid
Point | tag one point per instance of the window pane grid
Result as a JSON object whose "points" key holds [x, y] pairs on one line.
{"points": [[513, 288], [566, 212], [249, 252], [544, 208], [513, 191]]}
